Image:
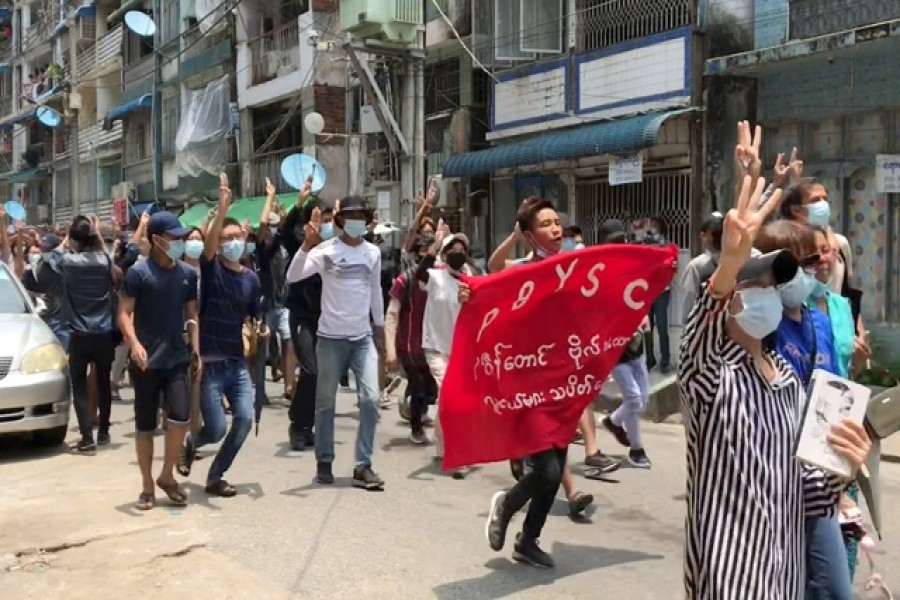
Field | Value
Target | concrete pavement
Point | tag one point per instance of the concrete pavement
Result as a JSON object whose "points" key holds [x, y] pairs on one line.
{"points": [[67, 527]]}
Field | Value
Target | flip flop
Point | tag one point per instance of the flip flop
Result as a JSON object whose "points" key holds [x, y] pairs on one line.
{"points": [[186, 457], [146, 501], [176, 496]]}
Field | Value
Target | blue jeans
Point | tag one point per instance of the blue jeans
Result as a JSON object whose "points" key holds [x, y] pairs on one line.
{"points": [[228, 378], [61, 332], [633, 380], [827, 571], [333, 358]]}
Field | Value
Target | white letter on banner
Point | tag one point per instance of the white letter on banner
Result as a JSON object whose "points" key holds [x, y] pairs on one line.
{"points": [[524, 294], [564, 275], [587, 292], [629, 291], [488, 319]]}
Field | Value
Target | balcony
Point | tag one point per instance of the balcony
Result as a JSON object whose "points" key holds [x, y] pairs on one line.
{"points": [[94, 141], [87, 62], [275, 54], [813, 18], [204, 53], [61, 146], [267, 165], [137, 76], [5, 106], [103, 57], [36, 41]]}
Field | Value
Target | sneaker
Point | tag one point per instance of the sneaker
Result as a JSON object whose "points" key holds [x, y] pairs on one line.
{"points": [[497, 522], [364, 477], [578, 502], [418, 438], [602, 462], [85, 448], [308, 436], [427, 422], [617, 430], [458, 474], [638, 459], [323, 473], [531, 553], [103, 438], [298, 442]]}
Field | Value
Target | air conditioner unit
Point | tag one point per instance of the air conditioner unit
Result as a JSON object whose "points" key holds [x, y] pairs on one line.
{"points": [[394, 21]]}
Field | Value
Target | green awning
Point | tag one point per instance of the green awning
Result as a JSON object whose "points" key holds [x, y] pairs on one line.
{"points": [[117, 15], [249, 209], [29, 175], [196, 214]]}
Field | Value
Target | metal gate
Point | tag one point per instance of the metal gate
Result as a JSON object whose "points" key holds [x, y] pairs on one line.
{"points": [[666, 195]]}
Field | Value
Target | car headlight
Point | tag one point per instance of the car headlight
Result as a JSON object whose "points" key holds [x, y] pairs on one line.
{"points": [[43, 359]]}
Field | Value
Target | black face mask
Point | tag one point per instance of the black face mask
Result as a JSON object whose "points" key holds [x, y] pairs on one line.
{"points": [[455, 260]]}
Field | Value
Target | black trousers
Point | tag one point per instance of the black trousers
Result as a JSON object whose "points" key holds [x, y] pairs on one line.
{"points": [[539, 484], [84, 349], [659, 320], [302, 412], [421, 387]]}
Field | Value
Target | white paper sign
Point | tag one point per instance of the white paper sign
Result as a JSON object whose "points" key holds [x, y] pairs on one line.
{"points": [[384, 201], [625, 169], [831, 400], [887, 173]]}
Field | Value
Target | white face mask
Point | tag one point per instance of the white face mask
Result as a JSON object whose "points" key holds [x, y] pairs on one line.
{"points": [[761, 313]]}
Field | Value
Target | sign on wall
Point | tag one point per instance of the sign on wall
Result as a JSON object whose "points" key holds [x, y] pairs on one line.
{"points": [[887, 173], [626, 169]]}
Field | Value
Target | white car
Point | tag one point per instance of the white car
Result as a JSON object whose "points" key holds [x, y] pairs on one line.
{"points": [[35, 394]]}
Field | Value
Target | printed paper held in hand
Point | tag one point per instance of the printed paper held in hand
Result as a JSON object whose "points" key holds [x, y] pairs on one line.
{"points": [[831, 400]]}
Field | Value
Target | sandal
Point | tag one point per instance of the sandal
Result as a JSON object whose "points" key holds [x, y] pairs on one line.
{"points": [[221, 488], [146, 501], [176, 496], [187, 456]]}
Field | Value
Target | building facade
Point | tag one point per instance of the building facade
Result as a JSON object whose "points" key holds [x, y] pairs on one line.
{"points": [[821, 76]]}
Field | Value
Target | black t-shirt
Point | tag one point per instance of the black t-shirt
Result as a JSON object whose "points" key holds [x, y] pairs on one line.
{"points": [[160, 295]]}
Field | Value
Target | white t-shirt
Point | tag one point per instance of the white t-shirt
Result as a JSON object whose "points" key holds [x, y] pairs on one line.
{"points": [[441, 311], [840, 267], [351, 286]]}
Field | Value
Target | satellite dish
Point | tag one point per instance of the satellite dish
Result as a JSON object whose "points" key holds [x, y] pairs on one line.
{"points": [[15, 211], [49, 117], [314, 123], [297, 167], [140, 23]]}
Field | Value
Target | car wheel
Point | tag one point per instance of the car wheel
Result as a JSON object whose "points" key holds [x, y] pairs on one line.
{"points": [[51, 437]]}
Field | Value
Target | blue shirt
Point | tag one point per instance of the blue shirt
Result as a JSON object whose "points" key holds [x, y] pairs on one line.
{"points": [[159, 298], [794, 342], [227, 299]]}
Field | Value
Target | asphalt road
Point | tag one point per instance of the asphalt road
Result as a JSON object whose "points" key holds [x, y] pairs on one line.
{"points": [[422, 537]]}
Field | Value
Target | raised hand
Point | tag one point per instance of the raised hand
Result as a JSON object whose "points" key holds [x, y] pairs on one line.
{"points": [[780, 169], [224, 189], [433, 191], [441, 232], [795, 167], [270, 188], [311, 230], [743, 222], [145, 217], [746, 153], [305, 192]]}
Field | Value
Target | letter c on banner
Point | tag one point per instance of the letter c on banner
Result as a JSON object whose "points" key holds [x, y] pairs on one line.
{"points": [[488, 319], [629, 292]]}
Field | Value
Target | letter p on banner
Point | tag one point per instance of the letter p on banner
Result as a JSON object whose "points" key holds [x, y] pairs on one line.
{"points": [[476, 431]]}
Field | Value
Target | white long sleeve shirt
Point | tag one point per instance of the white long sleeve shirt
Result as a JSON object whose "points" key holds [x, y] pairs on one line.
{"points": [[351, 286]]}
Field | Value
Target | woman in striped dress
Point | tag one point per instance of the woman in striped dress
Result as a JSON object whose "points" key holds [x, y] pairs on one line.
{"points": [[747, 496]]}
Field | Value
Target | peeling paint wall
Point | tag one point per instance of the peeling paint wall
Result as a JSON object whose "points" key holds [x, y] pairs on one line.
{"points": [[728, 100]]}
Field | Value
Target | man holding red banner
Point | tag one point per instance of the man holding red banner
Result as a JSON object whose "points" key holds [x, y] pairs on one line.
{"points": [[514, 390]]}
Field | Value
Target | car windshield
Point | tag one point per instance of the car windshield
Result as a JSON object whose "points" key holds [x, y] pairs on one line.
{"points": [[12, 302]]}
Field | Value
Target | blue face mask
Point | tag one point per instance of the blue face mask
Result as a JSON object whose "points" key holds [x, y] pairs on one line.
{"points": [[762, 310], [796, 291], [326, 230], [176, 249], [233, 250], [251, 247], [819, 290], [355, 228], [818, 213], [193, 248], [568, 244]]}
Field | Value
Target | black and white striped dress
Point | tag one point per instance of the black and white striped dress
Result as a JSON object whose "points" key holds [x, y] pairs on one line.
{"points": [[747, 496]]}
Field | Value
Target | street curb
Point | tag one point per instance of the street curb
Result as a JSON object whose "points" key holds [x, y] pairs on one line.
{"points": [[663, 405]]}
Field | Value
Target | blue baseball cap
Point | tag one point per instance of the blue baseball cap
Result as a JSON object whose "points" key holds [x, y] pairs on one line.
{"points": [[165, 222]]}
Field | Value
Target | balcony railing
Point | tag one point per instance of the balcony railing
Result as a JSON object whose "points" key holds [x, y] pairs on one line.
{"points": [[611, 22], [138, 69], [95, 139], [5, 106], [812, 18], [267, 165], [197, 43], [276, 53], [109, 48], [87, 61], [36, 35]]}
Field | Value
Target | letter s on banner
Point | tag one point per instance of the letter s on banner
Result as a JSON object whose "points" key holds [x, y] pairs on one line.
{"points": [[587, 292], [630, 302]]}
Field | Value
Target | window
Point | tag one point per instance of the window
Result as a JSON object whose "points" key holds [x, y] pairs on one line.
{"points": [[541, 25], [603, 23], [442, 86], [141, 136], [171, 21], [137, 142], [170, 117], [509, 32]]}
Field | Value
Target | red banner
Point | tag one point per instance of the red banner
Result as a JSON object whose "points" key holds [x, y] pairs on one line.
{"points": [[120, 212], [534, 345]]}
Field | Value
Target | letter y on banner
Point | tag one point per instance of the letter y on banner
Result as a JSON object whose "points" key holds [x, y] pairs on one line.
{"points": [[524, 365]]}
